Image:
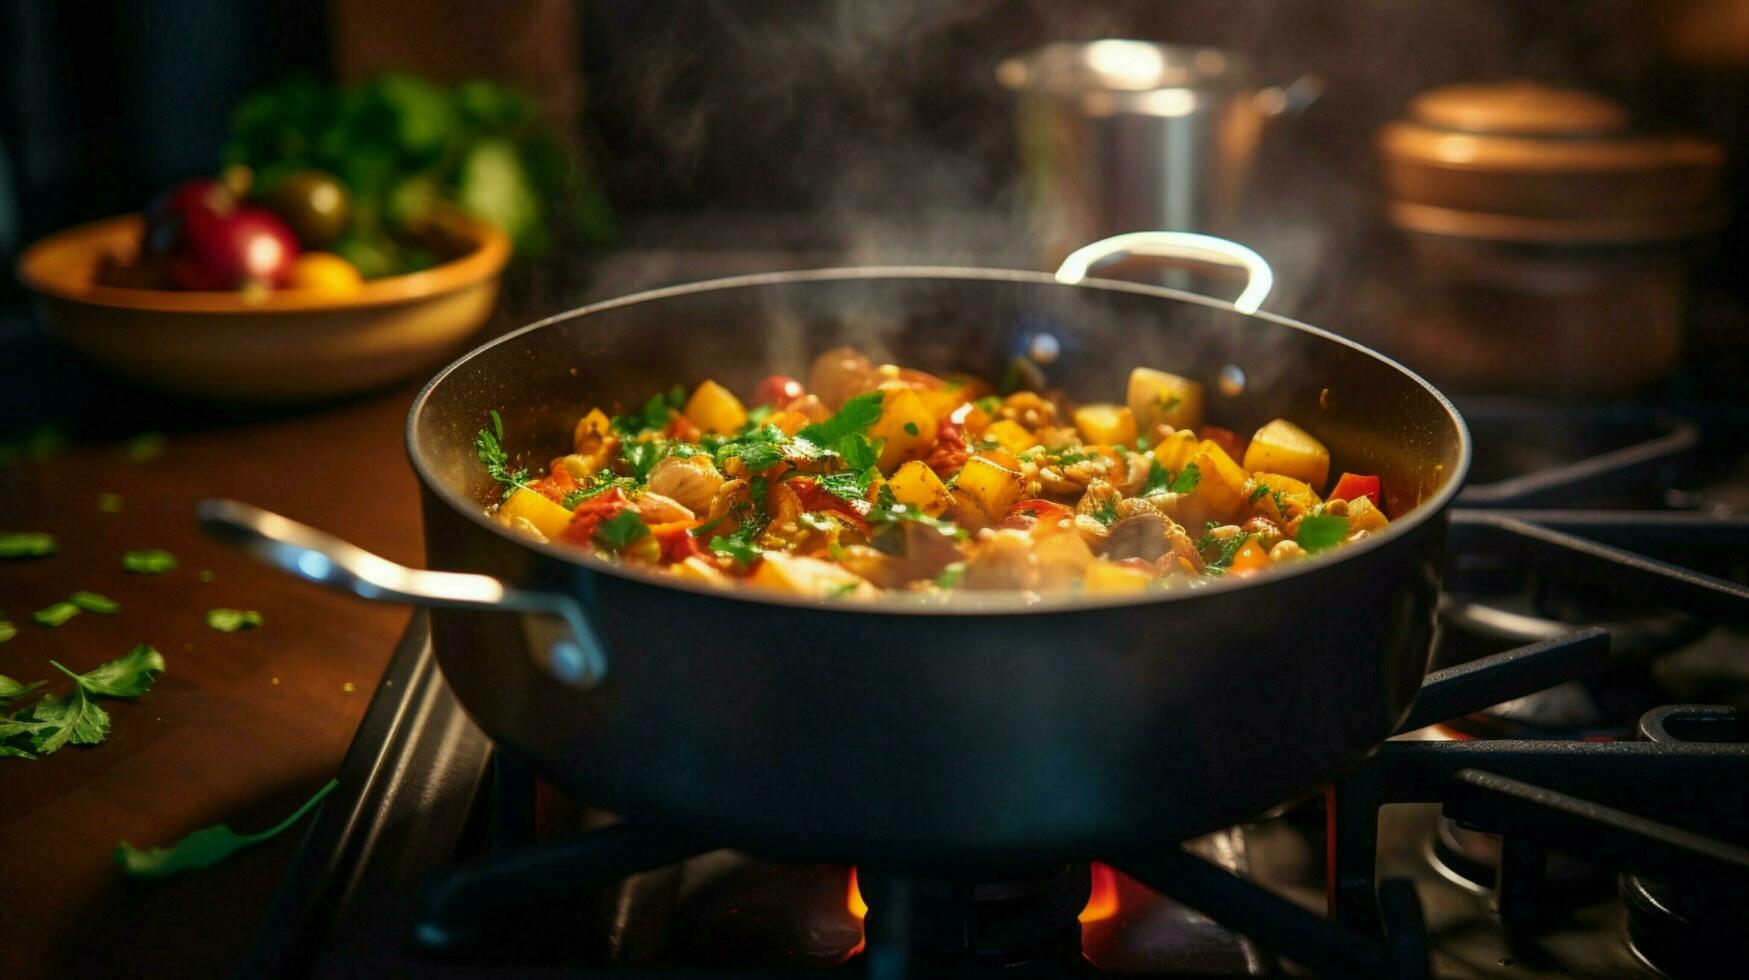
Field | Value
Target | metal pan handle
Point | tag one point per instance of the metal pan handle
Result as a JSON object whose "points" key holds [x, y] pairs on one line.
{"points": [[1178, 248], [559, 635]]}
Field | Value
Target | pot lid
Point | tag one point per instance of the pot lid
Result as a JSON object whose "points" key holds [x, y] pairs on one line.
{"points": [[1523, 108]]}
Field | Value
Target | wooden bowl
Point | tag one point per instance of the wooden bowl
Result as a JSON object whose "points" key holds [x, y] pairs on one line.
{"points": [[279, 346]]}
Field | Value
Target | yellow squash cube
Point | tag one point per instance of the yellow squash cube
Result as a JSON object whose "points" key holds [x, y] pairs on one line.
{"points": [[547, 517], [715, 408], [1156, 397], [1285, 448], [1296, 497], [1220, 486], [992, 486], [1178, 448], [916, 486], [1363, 516], [798, 575], [905, 423], [1011, 435], [1106, 425], [1106, 576], [1063, 557]]}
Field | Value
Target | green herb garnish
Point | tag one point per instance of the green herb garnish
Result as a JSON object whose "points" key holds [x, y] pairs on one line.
{"points": [[11, 690], [232, 620], [848, 486], [1223, 548], [1321, 532], [1106, 512], [738, 545], [150, 561], [205, 847], [1158, 478], [621, 530], [1186, 480], [7, 630], [94, 603], [853, 419], [912, 430], [54, 615], [27, 544], [605, 481], [489, 445], [840, 590], [951, 575], [1258, 492], [57, 720]]}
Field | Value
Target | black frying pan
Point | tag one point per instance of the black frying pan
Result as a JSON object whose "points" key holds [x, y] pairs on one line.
{"points": [[989, 728]]}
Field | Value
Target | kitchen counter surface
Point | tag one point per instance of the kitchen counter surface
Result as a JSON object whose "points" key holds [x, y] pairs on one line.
{"points": [[242, 726]]}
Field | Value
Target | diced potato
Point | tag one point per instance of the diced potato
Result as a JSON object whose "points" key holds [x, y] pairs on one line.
{"points": [[547, 517], [905, 423], [1249, 559], [1156, 397], [1011, 435], [916, 486], [1106, 425], [989, 484], [715, 408], [1296, 495], [1220, 487], [1362, 515], [1107, 576], [1285, 448], [1178, 448], [1063, 557], [942, 402], [809, 576], [696, 569]]}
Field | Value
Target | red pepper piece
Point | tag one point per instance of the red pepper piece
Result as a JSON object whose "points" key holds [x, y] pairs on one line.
{"points": [[590, 513], [814, 498], [1027, 513], [1353, 485]]}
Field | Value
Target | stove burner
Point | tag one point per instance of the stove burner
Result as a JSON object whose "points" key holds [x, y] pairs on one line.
{"points": [[1000, 922], [1470, 859], [1685, 932]]}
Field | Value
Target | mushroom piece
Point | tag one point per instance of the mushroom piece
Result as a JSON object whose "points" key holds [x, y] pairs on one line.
{"points": [[1140, 535], [691, 481], [1002, 560]]}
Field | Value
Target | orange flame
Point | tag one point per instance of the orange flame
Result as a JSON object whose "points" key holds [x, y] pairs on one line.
{"points": [[853, 901], [1102, 899]]}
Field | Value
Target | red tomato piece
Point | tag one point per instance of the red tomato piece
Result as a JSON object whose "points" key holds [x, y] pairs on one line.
{"points": [[814, 498], [777, 389], [1353, 485], [555, 485], [590, 513], [678, 544], [1024, 515]]}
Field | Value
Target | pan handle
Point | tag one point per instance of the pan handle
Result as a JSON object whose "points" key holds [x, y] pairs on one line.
{"points": [[1180, 247], [560, 637]]}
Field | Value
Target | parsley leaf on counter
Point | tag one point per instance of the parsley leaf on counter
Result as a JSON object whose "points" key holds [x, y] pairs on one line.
{"points": [[94, 603], [57, 720], [151, 561], [145, 446], [7, 630], [205, 847], [1321, 531], [54, 615], [232, 620], [127, 676], [1186, 480], [621, 530], [27, 544], [489, 446], [11, 690], [109, 503]]}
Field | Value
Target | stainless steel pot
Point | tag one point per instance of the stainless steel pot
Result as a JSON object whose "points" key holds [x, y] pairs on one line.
{"points": [[1119, 136]]}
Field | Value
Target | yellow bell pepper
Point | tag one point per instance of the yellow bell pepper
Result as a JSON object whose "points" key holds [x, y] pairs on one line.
{"points": [[547, 517], [715, 408], [989, 484], [1010, 435], [1106, 576], [1157, 396], [1107, 425], [905, 423], [916, 486], [1296, 497], [1363, 516]]}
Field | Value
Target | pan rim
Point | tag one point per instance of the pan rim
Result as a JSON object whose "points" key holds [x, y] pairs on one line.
{"points": [[958, 603]]}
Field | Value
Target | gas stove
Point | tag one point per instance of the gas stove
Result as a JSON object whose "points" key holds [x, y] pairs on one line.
{"points": [[1569, 796]]}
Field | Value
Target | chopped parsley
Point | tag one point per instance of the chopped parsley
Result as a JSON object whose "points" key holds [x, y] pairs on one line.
{"points": [[11, 690], [7, 630], [654, 414], [1321, 532], [848, 486], [489, 446], [54, 615], [605, 481], [1218, 552], [56, 720], [621, 531], [150, 561], [232, 620], [1158, 478], [912, 430], [758, 449], [738, 545], [840, 590], [94, 603], [1186, 480], [888, 510], [204, 847], [951, 575], [642, 455], [1258, 492], [27, 544], [1106, 512], [1168, 402]]}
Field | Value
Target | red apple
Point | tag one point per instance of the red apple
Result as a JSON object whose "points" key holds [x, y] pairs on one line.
{"points": [[249, 247], [169, 211]]}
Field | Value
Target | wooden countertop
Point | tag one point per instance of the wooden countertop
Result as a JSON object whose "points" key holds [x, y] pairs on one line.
{"points": [[242, 726]]}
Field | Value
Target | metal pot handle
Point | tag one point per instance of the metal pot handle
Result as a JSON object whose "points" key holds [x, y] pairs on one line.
{"points": [[1180, 247], [559, 635]]}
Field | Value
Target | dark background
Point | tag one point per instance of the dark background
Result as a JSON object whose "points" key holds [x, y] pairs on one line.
{"points": [[877, 124]]}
